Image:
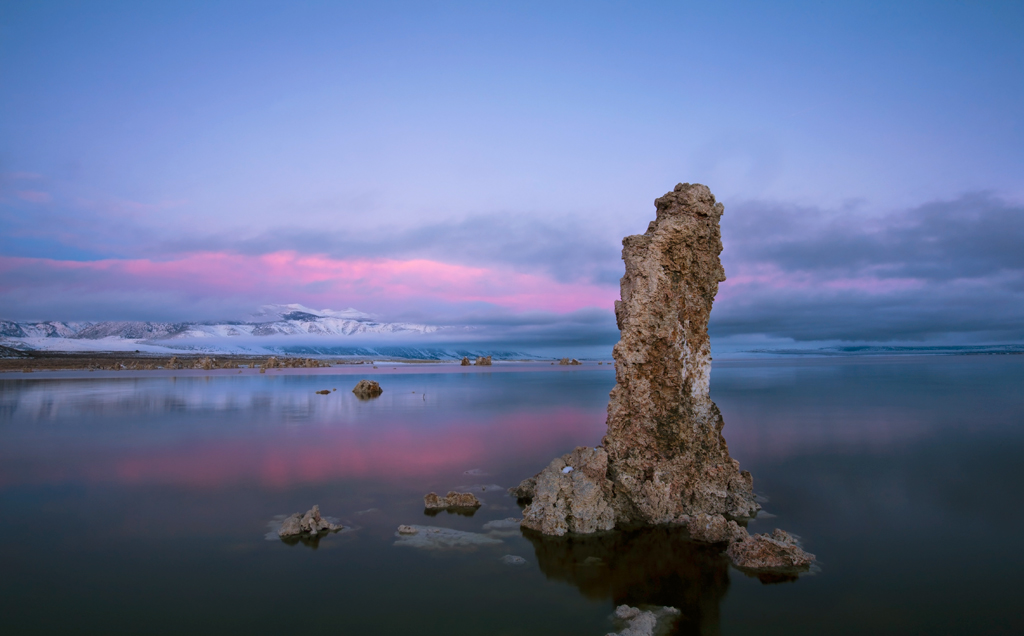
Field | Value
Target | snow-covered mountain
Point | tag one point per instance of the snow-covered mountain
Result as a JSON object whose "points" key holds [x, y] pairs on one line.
{"points": [[280, 321]]}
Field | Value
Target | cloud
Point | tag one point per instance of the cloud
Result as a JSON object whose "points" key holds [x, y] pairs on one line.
{"points": [[243, 282], [950, 269], [944, 269]]}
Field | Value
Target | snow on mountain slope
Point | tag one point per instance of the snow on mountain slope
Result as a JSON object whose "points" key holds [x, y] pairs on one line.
{"points": [[279, 321]]}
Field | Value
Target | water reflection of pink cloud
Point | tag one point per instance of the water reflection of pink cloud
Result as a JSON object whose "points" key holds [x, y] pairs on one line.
{"points": [[386, 452], [312, 279]]}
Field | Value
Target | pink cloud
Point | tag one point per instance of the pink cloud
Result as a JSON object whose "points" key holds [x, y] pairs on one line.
{"points": [[308, 278], [34, 196]]}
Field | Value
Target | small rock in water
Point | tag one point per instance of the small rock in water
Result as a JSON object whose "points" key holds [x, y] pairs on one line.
{"points": [[310, 523], [452, 500], [407, 530], [511, 559], [637, 622], [324, 392], [366, 389], [777, 552]]}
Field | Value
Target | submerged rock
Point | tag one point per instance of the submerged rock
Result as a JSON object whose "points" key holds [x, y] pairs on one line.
{"points": [[366, 389], [666, 459], [637, 622], [778, 552], [503, 527], [310, 523], [511, 559], [453, 499], [435, 538]]}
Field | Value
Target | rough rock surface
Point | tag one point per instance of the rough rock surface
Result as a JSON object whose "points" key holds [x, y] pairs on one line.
{"points": [[715, 529], [525, 489], [779, 551], [451, 500], [366, 389], [638, 622], [310, 523], [572, 494], [666, 453], [666, 457], [483, 361], [465, 362]]}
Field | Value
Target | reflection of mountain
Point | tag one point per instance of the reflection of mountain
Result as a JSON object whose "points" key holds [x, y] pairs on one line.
{"points": [[654, 566]]}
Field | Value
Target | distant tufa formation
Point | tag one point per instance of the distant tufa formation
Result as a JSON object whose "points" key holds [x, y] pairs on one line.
{"points": [[367, 389], [663, 459]]}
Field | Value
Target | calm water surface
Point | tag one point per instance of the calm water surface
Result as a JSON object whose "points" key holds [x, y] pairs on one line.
{"points": [[139, 503]]}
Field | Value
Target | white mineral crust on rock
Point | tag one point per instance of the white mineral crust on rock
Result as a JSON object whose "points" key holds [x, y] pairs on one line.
{"points": [[435, 538]]}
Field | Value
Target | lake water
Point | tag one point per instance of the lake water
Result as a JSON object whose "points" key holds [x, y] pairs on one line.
{"points": [[139, 503]]}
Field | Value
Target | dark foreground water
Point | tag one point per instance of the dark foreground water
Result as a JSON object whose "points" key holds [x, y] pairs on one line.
{"points": [[140, 504]]}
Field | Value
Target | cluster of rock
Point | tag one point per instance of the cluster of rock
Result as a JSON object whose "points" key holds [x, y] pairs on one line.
{"points": [[273, 362], [432, 501], [310, 523], [206, 364], [663, 459], [366, 389], [569, 362], [483, 361]]}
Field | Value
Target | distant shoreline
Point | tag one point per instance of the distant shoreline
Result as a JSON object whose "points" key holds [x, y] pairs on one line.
{"points": [[120, 363]]}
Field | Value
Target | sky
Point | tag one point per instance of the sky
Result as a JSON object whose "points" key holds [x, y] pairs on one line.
{"points": [[479, 163]]}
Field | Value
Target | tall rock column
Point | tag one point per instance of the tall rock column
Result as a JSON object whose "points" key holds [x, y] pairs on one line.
{"points": [[664, 459], [667, 458]]}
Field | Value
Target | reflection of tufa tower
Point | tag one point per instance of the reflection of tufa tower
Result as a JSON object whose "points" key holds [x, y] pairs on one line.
{"points": [[666, 453], [647, 566]]}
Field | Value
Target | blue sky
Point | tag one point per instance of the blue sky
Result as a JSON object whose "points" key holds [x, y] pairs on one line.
{"points": [[161, 160]]}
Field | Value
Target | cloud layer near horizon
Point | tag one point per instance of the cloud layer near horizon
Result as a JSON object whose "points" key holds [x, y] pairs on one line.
{"points": [[943, 270]]}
